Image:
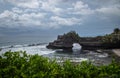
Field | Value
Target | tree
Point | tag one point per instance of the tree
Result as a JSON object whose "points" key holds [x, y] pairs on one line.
{"points": [[116, 30], [113, 38], [72, 35]]}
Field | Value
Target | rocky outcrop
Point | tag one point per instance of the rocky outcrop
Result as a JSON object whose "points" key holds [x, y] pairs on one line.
{"points": [[65, 41], [90, 43]]}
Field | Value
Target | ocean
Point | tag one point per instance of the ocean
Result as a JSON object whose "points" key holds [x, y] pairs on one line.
{"points": [[37, 45]]}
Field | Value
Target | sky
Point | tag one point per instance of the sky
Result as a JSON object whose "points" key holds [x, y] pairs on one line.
{"points": [[53, 17]]}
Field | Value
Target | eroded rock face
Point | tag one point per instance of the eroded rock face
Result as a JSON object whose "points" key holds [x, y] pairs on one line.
{"points": [[65, 41]]}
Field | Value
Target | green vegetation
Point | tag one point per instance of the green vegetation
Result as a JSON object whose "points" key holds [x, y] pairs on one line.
{"points": [[113, 38], [21, 65], [72, 35]]}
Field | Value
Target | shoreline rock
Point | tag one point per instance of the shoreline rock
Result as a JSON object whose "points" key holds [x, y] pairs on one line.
{"points": [[88, 43], [116, 52], [64, 41]]}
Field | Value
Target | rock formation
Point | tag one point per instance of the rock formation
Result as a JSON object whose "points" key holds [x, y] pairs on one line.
{"points": [[65, 41]]}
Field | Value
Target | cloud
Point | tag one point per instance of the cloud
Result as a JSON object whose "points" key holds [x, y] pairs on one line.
{"points": [[49, 14], [6, 14], [55, 13], [6, 18], [25, 3], [81, 8], [52, 6], [17, 10], [110, 11], [80, 5], [14, 19], [65, 21]]}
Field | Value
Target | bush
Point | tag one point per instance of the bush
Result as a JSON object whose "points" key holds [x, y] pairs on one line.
{"points": [[73, 36], [22, 65], [112, 39]]}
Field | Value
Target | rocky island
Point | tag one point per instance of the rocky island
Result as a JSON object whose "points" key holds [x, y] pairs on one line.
{"points": [[66, 41]]}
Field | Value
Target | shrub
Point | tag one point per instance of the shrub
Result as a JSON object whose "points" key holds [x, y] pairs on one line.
{"points": [[21, 65]]}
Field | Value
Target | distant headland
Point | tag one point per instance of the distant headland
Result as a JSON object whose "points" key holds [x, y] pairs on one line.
{"points": [[108, 41]]}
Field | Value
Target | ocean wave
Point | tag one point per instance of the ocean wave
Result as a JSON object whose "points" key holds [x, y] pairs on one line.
{"points": [[24, 45], [35, 49]]}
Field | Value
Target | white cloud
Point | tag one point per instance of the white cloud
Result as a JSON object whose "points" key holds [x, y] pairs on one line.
{"points": [[55, 6], [65, 21], [17, 10], [13, 19], [25, 3], [32, 16], [109, 11], [80, 5], [6, 14], [8, 18], [81, 8], [52, 6], [52, 13]]}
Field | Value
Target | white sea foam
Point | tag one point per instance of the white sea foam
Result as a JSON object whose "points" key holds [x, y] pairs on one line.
{"points": [[59, 56], [103, 55], [76, 46], [40, 49], [18, 46], [5, 46]]}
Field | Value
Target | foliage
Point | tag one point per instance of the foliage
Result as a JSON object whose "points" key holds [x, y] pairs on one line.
{"points": [[22, 65], [116, 30], [72, 35], [113, 38]]}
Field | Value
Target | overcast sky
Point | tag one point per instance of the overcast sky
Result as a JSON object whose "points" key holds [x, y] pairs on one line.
{"points": [[52, 17]]}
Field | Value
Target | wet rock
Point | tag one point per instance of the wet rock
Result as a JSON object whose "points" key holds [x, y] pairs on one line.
{"points": [[11, 46], [32, 45], [99, 51]]}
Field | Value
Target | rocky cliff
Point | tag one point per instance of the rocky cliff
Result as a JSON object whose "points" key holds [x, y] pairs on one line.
{"points": [[65, 41]]}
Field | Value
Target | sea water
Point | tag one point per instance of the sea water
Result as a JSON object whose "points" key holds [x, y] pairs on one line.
{"points": [[38, 46]]}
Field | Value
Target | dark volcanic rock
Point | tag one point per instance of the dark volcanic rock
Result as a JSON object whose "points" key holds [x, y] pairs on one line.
{"points": [[65, 41]]}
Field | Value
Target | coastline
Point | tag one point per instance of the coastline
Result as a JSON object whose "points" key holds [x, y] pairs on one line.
{"points": [[112, 53], [117, 52]]}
